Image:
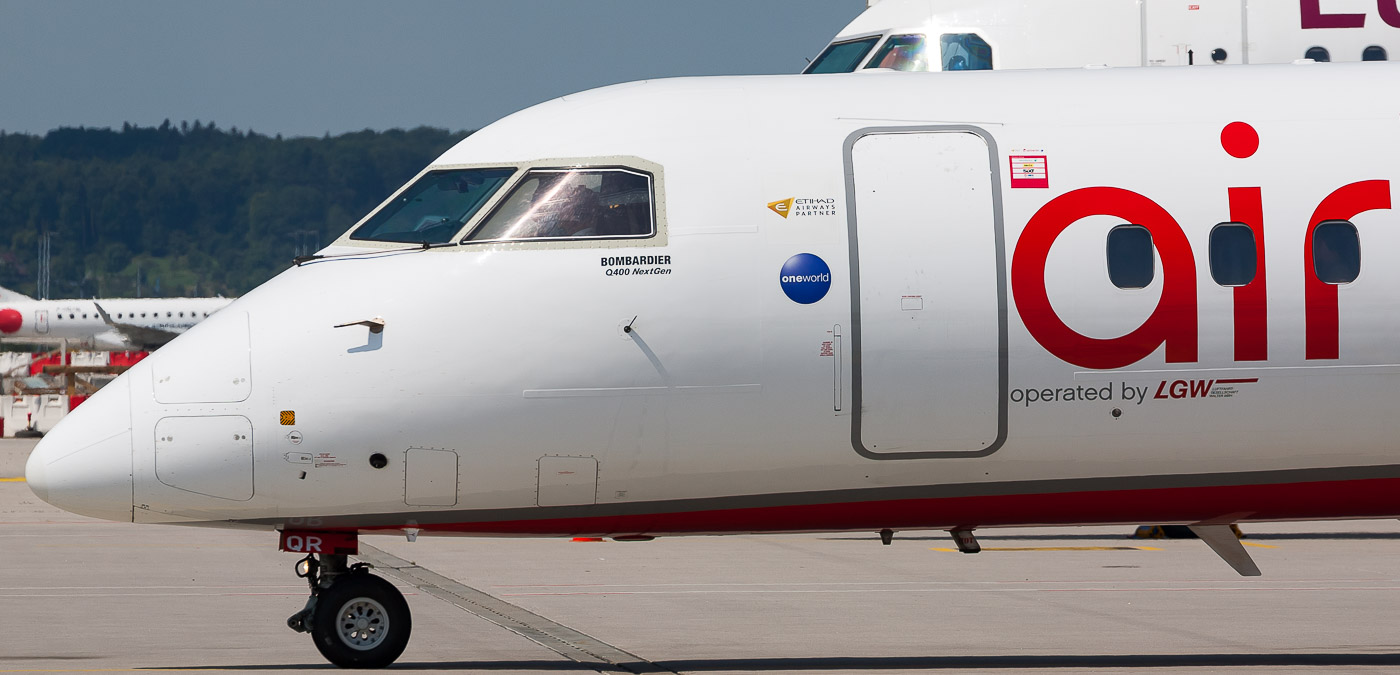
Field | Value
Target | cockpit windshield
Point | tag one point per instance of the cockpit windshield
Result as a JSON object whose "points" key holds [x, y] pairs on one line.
{"points": [[573, 204], [433, 208], [901, 52], [842, 57], [965, 51]]}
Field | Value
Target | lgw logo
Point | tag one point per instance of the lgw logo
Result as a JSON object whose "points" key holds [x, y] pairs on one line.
{"points": [[1178, 389], [1184, 389]]}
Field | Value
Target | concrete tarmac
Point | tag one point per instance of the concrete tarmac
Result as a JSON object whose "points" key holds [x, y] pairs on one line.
{"points": [[79, 595]]}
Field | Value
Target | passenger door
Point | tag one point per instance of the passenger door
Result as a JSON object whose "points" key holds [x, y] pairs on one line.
{"points": [[928, 317], [41, 321]]}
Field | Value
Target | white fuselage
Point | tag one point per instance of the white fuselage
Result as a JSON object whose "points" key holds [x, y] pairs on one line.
{"points": [[969, 364], [79, 321]]}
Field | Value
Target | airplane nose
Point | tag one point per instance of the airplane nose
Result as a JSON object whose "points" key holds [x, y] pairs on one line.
{"points": [[35, 476], [84, 464]]}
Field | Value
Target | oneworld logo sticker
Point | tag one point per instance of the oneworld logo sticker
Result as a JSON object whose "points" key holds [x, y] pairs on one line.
{"points": [[805, 278]]}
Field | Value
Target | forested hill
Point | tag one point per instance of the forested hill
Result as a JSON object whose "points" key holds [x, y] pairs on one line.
{"points": [[188, 209]]}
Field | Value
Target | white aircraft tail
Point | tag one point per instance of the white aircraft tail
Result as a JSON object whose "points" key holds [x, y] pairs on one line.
{"points": [[11, 296]]}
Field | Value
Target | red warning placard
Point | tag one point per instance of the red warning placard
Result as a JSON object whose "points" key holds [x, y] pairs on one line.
{"points": [[1030, 171], [327, 543]]}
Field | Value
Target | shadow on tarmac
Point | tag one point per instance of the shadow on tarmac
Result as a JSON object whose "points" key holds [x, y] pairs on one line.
{"points": [[1086, 661]]}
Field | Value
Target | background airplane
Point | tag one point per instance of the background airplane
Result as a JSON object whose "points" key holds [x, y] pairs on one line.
{"points": [[111, 324], [928, 35]]}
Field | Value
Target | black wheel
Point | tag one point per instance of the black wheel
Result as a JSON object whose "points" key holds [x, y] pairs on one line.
{"points": [[361, 621]]}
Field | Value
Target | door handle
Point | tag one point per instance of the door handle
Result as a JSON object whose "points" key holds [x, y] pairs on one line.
{"points": [[836, 374]]}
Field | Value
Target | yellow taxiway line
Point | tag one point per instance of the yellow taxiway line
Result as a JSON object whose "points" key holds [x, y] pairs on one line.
{"points": [[1057, 548], [12, 480]]}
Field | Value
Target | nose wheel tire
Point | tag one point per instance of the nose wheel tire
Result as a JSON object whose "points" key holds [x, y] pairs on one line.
{"points": [[361, 621]]}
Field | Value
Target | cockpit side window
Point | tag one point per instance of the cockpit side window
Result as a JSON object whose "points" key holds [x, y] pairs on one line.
{"points": [[842, 57], [434, 208], [901, 52], [965, 51], [573, 204]]}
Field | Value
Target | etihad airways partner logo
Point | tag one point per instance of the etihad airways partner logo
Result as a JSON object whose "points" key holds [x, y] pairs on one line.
{"points": [[804, 206]]}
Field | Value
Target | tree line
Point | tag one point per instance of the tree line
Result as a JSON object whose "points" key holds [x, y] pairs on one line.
{"points": [[187, 210]]}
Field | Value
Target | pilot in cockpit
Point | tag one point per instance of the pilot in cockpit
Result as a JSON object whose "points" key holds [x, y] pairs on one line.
{"points": [[575, 214]]}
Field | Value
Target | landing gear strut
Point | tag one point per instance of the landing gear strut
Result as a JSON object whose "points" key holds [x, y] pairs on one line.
{"points": [[357, 620]]}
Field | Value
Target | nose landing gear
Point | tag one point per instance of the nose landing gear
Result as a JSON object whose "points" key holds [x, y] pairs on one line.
{"points": [[356, 620]]}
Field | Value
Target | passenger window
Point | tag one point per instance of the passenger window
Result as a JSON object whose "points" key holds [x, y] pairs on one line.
{"points": [[1233, 260], [1130, 259], [1373, 53], [1318, 54], [965, 51], [1336, 252], [434, 208], [842, 57], [573, 204], [901, 52]]}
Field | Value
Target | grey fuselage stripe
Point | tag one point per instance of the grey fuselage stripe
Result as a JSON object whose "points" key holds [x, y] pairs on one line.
{"points": [[988, 489]]}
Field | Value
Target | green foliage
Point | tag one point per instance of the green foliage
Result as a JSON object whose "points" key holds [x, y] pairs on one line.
{"points": [[188, 210]]}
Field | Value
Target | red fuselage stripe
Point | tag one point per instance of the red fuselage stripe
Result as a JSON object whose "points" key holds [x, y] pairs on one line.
{"points": [[1369, 498]]}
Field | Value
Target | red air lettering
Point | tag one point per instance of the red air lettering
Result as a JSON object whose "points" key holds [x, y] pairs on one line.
{"points": [[1172, 323], [1320, 298], [1251, 299]]}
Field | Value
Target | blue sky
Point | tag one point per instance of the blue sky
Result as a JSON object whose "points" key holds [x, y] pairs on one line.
{"points": [[308, 68]]}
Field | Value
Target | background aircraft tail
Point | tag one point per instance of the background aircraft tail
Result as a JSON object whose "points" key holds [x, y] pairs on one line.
{"points": [[11, 296]]}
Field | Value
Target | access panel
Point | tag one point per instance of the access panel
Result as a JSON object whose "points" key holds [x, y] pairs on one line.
{"points": [[928, 329], [567, 481], [430, 477], [208, 455], [224, 354]]}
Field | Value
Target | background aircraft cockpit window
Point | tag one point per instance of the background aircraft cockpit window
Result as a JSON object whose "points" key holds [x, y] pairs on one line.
{"points": [[434, 208], [1131, 263], [901, 52], [842, 57], [1373, 53], [965, 51], [1233, 260], [1318, 54], [1336, 252], [573, 204]]}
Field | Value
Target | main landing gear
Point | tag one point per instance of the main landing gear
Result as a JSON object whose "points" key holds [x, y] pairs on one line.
{"points": [[357, 620]]}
